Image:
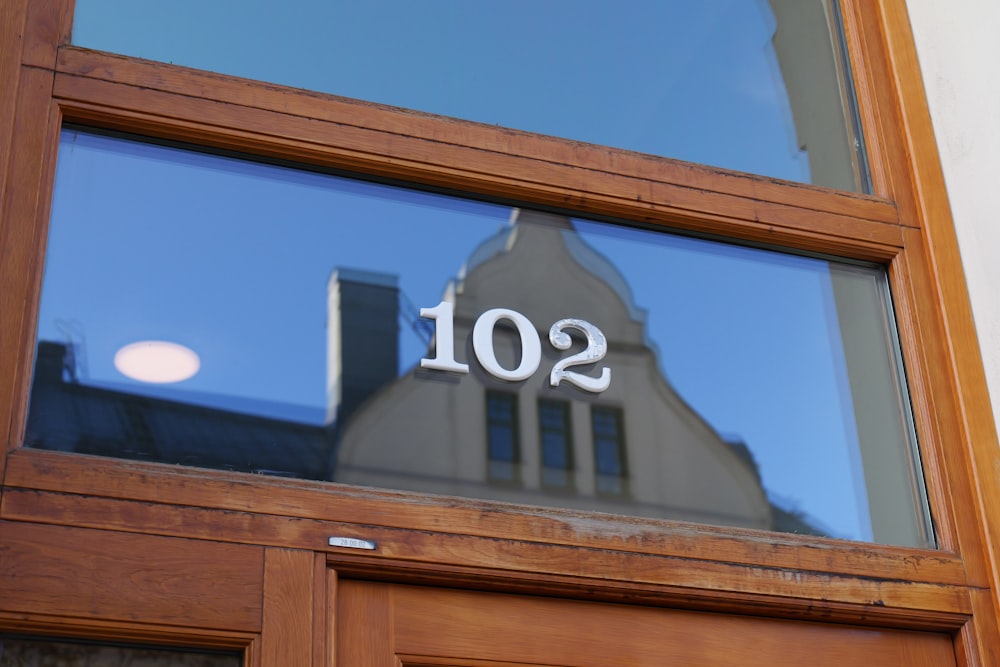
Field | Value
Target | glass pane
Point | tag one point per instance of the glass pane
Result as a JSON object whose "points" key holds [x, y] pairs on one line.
{"points": [[334, 329], [20, 652], [742, 84]]}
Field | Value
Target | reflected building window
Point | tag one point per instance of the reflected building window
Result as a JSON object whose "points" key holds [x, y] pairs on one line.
{"points": [[502, 441], [609, 450], [556, 438]]}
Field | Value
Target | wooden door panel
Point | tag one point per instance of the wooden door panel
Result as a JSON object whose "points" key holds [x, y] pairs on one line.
{"points": [[385, 625]]}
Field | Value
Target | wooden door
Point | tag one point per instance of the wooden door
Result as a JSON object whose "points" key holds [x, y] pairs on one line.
{"points": [[387, 625]]}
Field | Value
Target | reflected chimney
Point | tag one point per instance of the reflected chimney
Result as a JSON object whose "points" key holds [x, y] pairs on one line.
{"points": [[362, 351]]}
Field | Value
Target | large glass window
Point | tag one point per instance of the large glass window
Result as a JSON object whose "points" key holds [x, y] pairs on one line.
{"points": [[211, 311], [742, 84]]}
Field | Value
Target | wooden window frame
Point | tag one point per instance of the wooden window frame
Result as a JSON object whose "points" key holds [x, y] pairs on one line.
{"points": [[284, 524]]}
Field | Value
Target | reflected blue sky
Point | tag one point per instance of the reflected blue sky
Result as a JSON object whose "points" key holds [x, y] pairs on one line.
{"points": [[697, 81], [232, 259]]}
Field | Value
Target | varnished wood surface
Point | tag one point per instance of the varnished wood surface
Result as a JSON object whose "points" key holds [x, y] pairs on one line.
{"points": [[965, 385], [101, 575], [429, 626], [907, 224], [879, 585], [166, 101], [295, 514], [12, 16], [343, 112], [49, 24], [287, 636], [363, 631], [23, 217], [958, 428]]}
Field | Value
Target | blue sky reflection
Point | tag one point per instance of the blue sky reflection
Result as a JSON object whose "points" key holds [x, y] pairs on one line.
{"points": [[232, 258]]}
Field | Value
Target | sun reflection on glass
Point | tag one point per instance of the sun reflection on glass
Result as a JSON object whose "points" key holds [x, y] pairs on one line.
{"points": [[157, 361]]}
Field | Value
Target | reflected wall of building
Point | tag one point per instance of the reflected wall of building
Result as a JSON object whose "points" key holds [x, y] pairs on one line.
{"points": [[430, 432], [636, 448]]}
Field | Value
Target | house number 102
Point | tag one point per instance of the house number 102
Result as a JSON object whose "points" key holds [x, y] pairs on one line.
{"points": [[443, 315]]}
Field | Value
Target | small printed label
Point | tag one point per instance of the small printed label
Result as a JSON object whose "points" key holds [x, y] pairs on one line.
{"points": [[351, 543]]}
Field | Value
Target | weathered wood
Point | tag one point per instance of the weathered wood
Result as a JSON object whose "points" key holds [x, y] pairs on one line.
{"points": [[68, 571], [263, 510], [886, 595]]}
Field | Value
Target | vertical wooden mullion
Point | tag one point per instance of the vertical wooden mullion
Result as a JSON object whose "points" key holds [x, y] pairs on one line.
{"points": [[23, 222], [330, 630], [321, 601], [287, 634], [364, 628]]}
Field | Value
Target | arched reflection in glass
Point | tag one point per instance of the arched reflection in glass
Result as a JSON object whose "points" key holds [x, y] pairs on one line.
{"points": [[746, 387]]}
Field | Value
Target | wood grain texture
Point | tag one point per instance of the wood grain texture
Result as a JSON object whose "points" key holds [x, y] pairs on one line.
{"points": [[139, 578], [956, 410], [23, 218], [798, 216], [975, 646], [12, 16], [325, 622], [428, 624], [888, 595], [445, 131], [128, 495], [963, 379], [472, 543], [363, 630], [287, 633], [49, 24], [953, 372], [939, 419]]}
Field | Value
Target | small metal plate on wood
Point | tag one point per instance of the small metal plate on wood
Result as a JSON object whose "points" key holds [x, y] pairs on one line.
{"points": [[351, 543]]}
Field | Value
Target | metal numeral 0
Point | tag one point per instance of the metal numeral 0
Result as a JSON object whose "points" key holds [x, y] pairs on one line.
{"points": [[482, 343]]}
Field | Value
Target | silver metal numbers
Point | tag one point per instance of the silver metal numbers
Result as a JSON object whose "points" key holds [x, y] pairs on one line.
{"points": [[443, 315]]}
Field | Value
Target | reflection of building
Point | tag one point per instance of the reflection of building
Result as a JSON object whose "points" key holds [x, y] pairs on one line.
{"points": [[68, 416], [635, 448]]}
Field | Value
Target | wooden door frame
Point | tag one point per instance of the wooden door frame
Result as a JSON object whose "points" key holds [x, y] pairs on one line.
{"points": [[906, 224]]}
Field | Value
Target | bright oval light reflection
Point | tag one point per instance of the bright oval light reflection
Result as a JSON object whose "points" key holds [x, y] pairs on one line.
{"points": [[157, 361]]}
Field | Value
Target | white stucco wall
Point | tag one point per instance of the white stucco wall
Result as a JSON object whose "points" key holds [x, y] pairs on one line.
{"points": [[958, 43]]}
